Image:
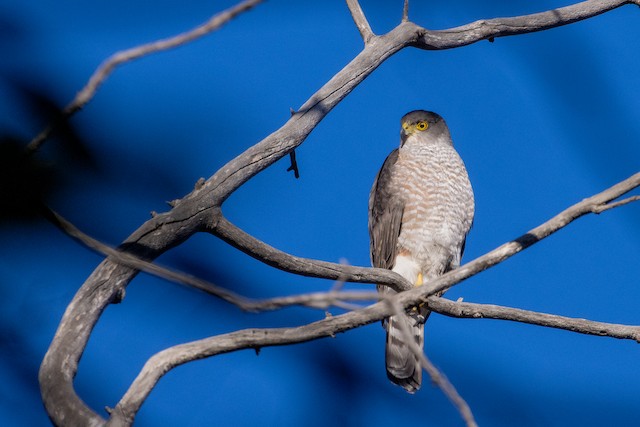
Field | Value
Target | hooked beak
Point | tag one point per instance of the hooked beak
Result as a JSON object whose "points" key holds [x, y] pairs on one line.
{"points": [[404, 134]]}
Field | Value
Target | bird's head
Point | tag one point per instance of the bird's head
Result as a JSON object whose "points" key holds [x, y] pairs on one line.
{"points": [[425, 126]]}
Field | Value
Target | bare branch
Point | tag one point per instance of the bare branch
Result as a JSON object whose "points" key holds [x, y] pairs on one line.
{"points": [[319, 300], [436, 376], [360, 20], [405, 11], [335, 297], [488, 311], [501, 27], [308, 267], [106, 68]]}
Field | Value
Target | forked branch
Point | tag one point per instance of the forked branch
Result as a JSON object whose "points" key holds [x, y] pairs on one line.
{"points": [[360, 20]]}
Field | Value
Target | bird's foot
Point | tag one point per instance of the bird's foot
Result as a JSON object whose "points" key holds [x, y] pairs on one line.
{"points": [[417, 316]]}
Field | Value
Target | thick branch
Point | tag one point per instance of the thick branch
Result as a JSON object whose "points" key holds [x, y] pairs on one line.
{"points": [[488, 311]]}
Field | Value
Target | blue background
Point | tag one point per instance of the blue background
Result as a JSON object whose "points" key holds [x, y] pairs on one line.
{"points": [[542, 121]]}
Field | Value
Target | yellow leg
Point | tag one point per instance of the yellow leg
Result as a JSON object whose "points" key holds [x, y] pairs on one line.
{"points": [[419, 282]]}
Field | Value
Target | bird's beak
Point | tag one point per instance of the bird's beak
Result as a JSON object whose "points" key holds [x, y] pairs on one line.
{"points": [[404, 133]]}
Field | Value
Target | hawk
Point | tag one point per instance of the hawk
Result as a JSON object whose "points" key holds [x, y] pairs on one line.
{"points": [[420, 210]]}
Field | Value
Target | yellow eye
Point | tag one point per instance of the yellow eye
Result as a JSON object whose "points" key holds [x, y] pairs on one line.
{"points": [[422, 125]]}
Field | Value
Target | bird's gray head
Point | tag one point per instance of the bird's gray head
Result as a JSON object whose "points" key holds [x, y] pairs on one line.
{"points": [[427, 126]]}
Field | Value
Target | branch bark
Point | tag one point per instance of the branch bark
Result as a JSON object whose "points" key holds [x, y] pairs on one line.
{"points": [[201, 211]]}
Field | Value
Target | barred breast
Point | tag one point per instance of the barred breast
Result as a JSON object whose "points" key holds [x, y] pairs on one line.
{"points": [[439, 206]]}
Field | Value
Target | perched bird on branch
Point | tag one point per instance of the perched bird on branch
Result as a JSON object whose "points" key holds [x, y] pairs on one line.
{"points": [[421, 208]]}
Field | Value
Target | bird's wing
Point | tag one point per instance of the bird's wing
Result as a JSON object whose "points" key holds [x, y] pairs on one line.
{"points": [[385, 216]]}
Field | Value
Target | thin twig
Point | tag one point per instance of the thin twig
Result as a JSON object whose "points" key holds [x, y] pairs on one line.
{"points": [[607, 206], [489, 311], [294, 164], [360, 20], [319, 300], [107, 67], [405, 11], [436, 376]]}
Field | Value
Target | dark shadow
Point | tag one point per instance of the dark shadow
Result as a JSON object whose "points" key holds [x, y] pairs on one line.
{"points": [[27, 180]]}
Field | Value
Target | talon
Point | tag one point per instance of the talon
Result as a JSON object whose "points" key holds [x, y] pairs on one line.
{"points": [[418, 318], [416, 315], [419, 280]]}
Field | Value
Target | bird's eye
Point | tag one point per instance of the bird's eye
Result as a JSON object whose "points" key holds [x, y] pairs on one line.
{"points": [[422, 125]]}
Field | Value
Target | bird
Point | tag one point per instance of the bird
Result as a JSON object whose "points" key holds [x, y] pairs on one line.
{"points": [[421, 208]]}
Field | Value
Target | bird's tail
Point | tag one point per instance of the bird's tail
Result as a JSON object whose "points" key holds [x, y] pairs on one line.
{"points": [[403, 367]]}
